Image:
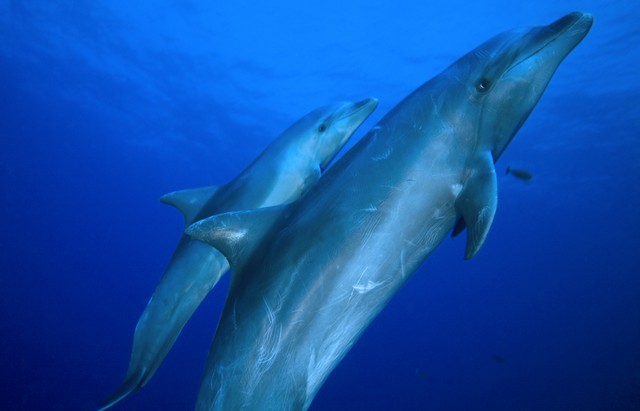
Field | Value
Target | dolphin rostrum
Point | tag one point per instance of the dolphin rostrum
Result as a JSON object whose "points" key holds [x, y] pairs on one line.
{"points": [[331, 261], [284, 171]]}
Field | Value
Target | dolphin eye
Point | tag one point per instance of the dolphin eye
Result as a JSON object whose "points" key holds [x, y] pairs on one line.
{"points": [[483, 85], [322, 128]]}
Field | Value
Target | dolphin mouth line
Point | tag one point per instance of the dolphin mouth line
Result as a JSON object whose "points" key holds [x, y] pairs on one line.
{"points": [[551, 40], [358, 108]]}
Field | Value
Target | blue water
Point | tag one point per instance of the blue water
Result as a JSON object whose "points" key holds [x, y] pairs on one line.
{"points": [[108, 105]]}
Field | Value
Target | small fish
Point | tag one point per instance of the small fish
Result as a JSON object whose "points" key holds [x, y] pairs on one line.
{"points": [[420, 374], [521, 174]]}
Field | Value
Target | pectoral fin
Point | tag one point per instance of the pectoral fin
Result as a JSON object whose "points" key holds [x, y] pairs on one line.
{"points": [[477, 203], [236, 234], [190, 201], [458, 228]]}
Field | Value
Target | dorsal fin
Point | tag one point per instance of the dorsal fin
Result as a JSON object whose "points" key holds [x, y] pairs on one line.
{"points": [[477, 203], [189, 202], [236, 234]]}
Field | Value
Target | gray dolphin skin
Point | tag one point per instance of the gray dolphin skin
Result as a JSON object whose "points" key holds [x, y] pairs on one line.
{"points": [[309, 277], [284, 171]]}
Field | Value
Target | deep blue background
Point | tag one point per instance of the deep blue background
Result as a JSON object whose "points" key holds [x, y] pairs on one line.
{"points": [[105, 106]]}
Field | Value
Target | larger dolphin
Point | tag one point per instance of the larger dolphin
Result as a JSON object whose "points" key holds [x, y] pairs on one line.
{"points": [[284, 171], [331, 261]]}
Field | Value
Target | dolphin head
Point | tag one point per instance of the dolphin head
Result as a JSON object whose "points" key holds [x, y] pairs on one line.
{"points": [[328, 129], [506, 76]]}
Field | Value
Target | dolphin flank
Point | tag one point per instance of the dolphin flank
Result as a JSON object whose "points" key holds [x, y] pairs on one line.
{"points": [[309, 277], [286, 170]]}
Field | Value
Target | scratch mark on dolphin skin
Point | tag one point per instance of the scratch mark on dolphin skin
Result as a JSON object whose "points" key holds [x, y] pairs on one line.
{"points": [[365, 288], [382, 156], [296, 316], [431, 236], [402, 271], [391, 186], [217, 376], [357, 283], [268, 350], [234, 317], [484, 214]]}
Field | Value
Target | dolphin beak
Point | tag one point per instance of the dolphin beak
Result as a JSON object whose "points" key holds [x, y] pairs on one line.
{"points": [[361, 109], [348, 119], [368, 104], [578, 21], [568, 30], [556, 40]]}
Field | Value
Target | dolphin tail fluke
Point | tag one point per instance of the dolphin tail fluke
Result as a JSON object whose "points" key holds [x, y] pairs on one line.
{"points": [[130, 385]]}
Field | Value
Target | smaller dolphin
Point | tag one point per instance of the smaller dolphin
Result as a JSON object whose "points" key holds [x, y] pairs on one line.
{"points": [[284, 171]]}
